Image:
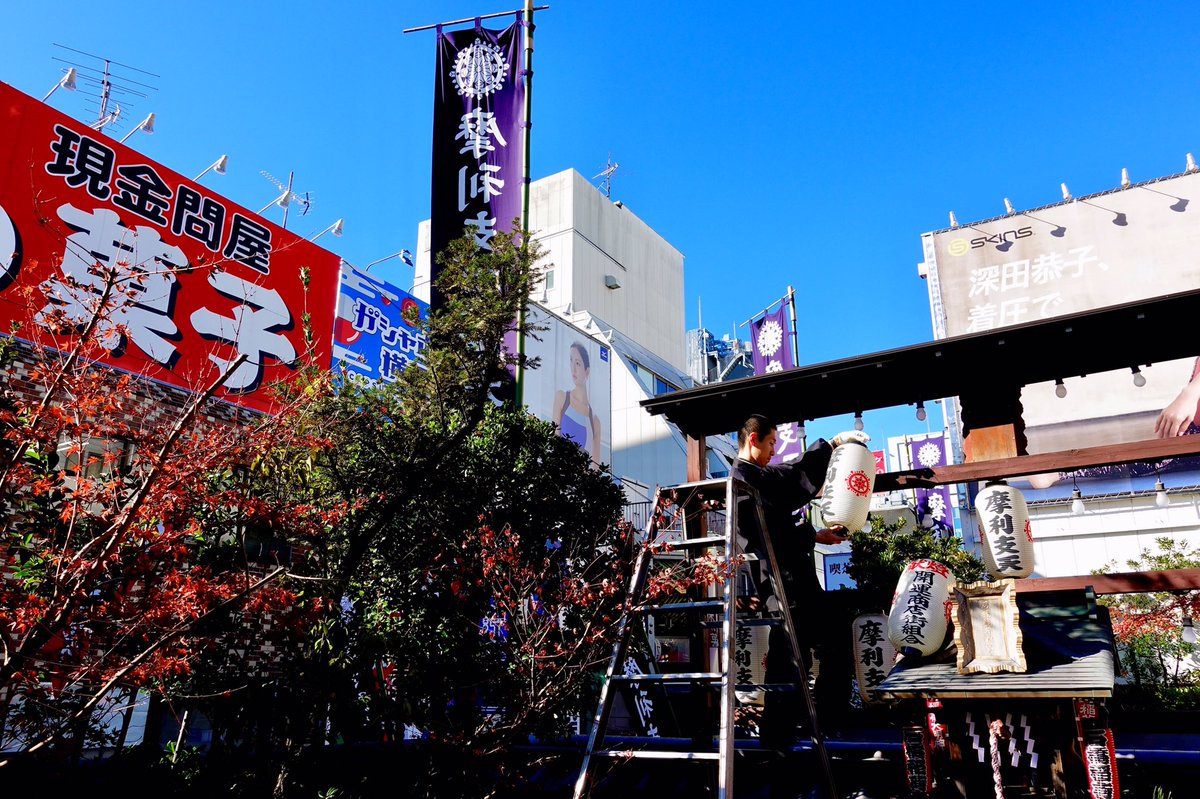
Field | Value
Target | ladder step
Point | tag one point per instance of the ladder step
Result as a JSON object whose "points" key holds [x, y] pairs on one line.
{"points": [[712, 604], [745, 623], [688, 543], [712, 482], [771, 688], [693, 676], [659, 754]]}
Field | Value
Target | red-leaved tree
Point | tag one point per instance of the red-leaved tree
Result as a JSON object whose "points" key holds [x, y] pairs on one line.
{"points": [[126, 513]]}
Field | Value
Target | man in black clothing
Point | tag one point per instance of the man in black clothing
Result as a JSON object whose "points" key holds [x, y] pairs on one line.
{"points": [[783, 490]]}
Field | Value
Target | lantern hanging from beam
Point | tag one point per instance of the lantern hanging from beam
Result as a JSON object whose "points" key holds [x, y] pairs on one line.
{"points": [[1004, 531]]}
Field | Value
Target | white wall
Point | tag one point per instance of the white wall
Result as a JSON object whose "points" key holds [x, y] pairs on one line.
{"points": [[1115, 529], [644, 446], [590, 237]]}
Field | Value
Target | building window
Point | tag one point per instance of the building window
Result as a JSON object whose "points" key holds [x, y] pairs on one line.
{"points": [[95, 457], [650, 381], [549, 279]]}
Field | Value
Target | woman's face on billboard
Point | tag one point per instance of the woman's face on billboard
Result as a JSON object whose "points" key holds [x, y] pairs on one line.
{"points": [[579, 372]]}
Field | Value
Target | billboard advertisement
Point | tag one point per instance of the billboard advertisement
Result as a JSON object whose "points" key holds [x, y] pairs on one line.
{"points": [[200, 280], [375, 333], [572, 385], [1107, 249]]}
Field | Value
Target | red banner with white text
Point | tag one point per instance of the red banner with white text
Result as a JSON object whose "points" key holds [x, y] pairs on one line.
{"points": [[201, 280]]}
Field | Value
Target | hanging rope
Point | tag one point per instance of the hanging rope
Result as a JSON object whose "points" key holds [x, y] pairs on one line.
{"points": [[996, 728]]}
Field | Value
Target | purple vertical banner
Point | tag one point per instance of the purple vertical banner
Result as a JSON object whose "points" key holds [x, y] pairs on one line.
{"points": [[771, 338], [933, 504], [478, 149]]}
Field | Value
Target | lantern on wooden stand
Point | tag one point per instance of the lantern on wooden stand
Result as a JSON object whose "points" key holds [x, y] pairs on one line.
{"points": [[1004, 531], [920, 611], [849, 483]]}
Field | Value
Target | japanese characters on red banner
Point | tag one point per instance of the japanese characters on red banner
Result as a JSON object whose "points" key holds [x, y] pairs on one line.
{"points": [[204, 280]]}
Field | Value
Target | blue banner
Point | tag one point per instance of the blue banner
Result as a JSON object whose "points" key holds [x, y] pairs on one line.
{"points": [[375, 333]]}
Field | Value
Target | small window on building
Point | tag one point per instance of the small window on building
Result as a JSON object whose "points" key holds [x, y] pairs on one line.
{"points": [[95, 457], [650, 381], [549, 279], [644, 376]]}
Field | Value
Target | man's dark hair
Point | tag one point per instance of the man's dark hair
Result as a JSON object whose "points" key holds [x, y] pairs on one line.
{"points": [[757, 423]]}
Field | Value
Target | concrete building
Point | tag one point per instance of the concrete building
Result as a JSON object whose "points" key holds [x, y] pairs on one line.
{"points": [[611, 276], [1148, 252]]}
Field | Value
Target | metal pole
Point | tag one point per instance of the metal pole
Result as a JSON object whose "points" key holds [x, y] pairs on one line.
{"points": [[763, 311], [791, 296], [528, 12], [287, 199], [529, 9]]}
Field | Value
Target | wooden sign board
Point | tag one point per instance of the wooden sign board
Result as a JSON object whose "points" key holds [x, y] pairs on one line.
{"points": [[986, 631]]}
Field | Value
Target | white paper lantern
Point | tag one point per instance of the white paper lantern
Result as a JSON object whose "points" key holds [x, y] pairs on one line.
{"points": [[921, 607], [1004, 531], [849, 483], [874, 653]]}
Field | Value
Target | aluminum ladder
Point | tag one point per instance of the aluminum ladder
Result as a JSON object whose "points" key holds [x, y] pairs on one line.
{"points": [[697, 506]]}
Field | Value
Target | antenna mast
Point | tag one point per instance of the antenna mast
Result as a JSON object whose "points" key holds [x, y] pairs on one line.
{"points": [[109, 88], [607, 174]]}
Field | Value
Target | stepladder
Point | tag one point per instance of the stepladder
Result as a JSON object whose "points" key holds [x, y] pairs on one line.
{"points": [[691, 570]]}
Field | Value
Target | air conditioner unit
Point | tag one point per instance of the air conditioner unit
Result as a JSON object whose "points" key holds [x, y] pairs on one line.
{"points": [[610, 281]]}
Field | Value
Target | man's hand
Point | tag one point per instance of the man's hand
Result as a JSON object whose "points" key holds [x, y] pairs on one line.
{"points": [[831, 535], [857, 436]]}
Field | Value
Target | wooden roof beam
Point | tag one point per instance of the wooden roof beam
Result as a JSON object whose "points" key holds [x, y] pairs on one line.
{"points": [[1121, 583], [1065, 461]]}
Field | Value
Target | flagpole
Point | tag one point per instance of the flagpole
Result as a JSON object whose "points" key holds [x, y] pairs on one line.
{"points": [[528, 76], [471, 19], [791, 296], [763, 311], [527, 14]]}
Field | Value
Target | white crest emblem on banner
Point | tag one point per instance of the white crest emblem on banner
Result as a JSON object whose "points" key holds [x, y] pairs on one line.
{"points": [[770, 339], [479, 69], [929, 455]]}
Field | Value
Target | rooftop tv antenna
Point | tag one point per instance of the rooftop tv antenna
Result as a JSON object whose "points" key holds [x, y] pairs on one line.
{"points": [[114, 93], [288, 196], [607, 174]]}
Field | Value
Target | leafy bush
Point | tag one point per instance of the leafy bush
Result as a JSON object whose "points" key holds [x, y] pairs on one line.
{"points": [[880, 554]]}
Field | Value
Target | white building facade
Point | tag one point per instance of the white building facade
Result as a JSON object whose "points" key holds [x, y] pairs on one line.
{"points": [[1074, 256], [612, 277]]}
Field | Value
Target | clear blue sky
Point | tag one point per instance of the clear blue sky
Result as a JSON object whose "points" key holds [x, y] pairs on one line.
{"points": [[771, 145]]}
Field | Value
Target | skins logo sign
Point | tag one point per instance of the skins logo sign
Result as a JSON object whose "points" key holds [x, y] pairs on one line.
{"points": [[962, 246]]}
